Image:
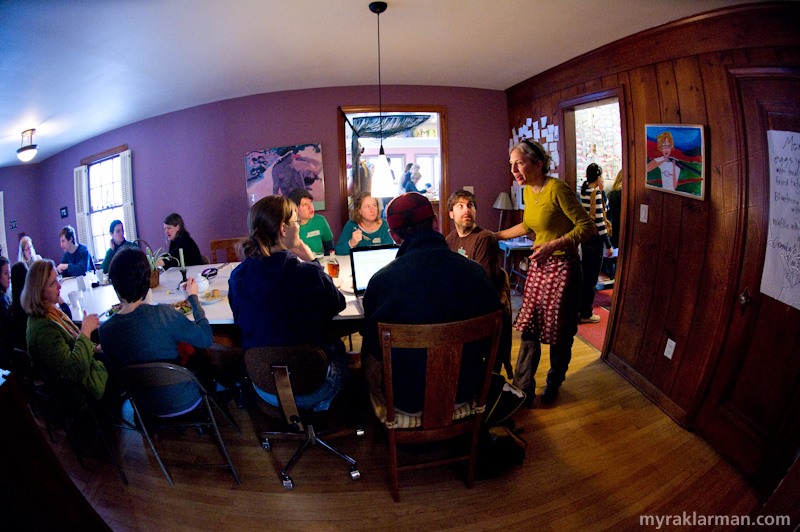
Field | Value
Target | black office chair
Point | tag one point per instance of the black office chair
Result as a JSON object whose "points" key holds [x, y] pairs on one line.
{"points": [[288, 372], [141, 379]]}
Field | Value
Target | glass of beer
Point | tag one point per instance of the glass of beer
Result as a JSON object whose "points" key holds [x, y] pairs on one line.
{"points": [[333, 268]]}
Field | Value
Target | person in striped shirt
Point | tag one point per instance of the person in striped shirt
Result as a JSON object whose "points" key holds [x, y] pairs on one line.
{"points": [[592, 249]]}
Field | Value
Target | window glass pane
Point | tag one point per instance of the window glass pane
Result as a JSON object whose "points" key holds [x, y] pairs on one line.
{"points": [[94, 199], [106, 176]]}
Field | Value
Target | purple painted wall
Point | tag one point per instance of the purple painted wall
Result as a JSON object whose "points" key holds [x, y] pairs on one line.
{"points": [[192, 161], [20, 202]]}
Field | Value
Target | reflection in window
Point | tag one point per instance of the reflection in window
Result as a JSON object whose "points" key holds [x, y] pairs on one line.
{"points": [[408, 138]]}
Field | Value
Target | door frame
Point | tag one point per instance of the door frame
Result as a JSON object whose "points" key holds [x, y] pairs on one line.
{"points": [[566, 146]]}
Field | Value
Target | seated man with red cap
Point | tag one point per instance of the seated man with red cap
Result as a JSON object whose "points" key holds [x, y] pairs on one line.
{"points": [[454, 288]]}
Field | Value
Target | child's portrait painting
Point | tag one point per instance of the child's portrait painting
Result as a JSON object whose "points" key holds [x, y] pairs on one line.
{"points": [[675, 159]]}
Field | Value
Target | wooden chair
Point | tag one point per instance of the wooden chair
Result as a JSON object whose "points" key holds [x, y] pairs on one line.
{"points": [[444, 343], [141, 379], [227, 244], [288, 372]]}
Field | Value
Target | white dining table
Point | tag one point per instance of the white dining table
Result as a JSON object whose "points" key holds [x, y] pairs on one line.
{"points": [[99, 299]]}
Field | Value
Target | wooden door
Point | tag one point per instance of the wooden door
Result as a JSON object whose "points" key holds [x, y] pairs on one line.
{"points": [[752, 411]]}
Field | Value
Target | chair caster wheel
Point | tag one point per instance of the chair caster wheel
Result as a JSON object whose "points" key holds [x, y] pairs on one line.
{"points": [[266, 444], [355, 474], [287, 483], [360, 431]]}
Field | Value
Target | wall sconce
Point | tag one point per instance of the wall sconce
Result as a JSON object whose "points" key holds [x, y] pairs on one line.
{"points": [[28, 149]]}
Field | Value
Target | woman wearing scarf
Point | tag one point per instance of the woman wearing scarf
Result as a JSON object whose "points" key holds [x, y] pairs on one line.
{"points": [[58, 344]]}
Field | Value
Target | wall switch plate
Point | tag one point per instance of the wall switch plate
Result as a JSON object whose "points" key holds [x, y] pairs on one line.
{"points": [[469, 188], [670, 349], [643, 213]]}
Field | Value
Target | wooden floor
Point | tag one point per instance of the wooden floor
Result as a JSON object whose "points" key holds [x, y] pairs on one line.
{"points": [[598, 458]]}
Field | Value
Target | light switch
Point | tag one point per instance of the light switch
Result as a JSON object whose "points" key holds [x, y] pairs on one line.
{"points": [[670, 348], [643, 213]]}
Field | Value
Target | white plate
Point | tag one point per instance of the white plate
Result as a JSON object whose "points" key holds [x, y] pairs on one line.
{"points": [[206, 301]]}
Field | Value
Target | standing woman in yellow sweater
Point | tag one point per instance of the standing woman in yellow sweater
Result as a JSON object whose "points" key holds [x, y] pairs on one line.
{"points": [[549, 312]]}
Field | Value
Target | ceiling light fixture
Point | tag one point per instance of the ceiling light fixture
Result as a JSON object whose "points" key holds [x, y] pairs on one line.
{"points": [[27, 151], [383, 173]]}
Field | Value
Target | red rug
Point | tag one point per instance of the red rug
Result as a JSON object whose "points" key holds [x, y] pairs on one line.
{"points": [[595, 333], [602, 298]]}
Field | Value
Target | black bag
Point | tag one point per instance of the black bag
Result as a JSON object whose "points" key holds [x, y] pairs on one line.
{"points": [[502, 400], [499, 448]]}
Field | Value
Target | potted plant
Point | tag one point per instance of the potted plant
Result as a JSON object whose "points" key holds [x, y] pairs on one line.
{"points": [[153, 258]]}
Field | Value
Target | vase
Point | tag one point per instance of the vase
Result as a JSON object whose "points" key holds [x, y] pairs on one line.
{"points": [[154, 278]]}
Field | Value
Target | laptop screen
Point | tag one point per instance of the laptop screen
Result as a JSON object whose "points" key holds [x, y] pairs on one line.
{"points": [[366, 261]]}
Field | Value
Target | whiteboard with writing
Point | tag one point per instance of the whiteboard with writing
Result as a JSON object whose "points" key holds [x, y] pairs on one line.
{"points": [[781, 277]]}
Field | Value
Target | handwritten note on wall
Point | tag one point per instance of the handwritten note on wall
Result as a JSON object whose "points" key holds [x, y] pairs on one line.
{"points": [[781, 277]]}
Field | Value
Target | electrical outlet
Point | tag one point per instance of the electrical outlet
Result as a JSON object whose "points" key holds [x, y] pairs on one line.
{"points": [[670, 349], [643, 213], [469, 188]]}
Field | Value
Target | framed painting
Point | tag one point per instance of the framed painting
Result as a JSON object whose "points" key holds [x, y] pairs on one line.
{"points": [[676, 159], [278, 171]]}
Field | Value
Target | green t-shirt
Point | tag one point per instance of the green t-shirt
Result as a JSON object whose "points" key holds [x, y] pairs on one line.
{"points": [[554, 212], [315, 232]]}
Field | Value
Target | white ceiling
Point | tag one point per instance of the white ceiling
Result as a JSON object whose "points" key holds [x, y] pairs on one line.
{"points": [[74, 69]]}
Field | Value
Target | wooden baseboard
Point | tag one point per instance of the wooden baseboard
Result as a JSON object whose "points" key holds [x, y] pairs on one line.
{"points": [[658, 397]]}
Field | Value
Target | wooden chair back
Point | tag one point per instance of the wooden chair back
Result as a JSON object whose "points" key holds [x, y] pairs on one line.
{"points": [[229, 245], [444, 343]]}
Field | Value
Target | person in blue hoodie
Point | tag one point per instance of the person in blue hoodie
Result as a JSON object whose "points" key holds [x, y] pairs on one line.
{"points": [[278, 299]]}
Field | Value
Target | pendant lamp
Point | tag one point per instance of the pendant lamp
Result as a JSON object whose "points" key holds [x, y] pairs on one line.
{"points": [[383, 173]]}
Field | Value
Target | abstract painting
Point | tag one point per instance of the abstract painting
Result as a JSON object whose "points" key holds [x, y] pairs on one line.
{"points": [[278, 171]]}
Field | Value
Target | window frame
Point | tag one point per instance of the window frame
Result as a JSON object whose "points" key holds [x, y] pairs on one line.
{"points": [[83, 205]]}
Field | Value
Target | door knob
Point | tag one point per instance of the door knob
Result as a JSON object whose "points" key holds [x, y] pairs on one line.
{"points": [[744, 297]]}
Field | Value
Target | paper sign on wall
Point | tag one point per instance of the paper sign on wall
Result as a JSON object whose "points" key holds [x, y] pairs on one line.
{"points": [[781, 276]]}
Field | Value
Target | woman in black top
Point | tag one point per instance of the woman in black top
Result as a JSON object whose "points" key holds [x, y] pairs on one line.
{"points": [[178, 236]]}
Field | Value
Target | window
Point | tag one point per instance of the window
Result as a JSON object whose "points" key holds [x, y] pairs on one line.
{"points": [[410, 133], [104, 193]]}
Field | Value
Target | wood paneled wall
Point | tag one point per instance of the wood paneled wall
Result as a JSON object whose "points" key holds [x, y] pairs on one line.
{"points": [[676, 269]]}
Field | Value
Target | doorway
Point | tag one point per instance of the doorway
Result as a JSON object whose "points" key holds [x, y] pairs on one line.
{"points": [[594, 132]]}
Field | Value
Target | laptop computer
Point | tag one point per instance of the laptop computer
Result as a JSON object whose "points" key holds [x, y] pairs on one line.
{"points": [[365, 262]]}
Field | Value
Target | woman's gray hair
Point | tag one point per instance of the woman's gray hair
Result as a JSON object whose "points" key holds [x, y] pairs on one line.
{"points": [[535, 152]]}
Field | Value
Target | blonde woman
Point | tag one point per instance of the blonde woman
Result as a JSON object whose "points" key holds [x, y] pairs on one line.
{"points": [[615, 208], [56, 342], [365, 226], [27, 255]]}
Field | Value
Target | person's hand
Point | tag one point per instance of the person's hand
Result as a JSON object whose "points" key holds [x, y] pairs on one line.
{"points": [[304, 252], [89, 324], [160, 262], [609, 252], [98, 348], [358, 235], [542, 252], [62, 267], [191, 287]]}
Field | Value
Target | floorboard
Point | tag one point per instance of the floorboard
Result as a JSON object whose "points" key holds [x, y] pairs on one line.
{"points": [[597, 459]]}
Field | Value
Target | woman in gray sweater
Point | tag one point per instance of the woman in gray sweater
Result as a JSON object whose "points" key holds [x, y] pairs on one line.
{"points": [[140, 332]]}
